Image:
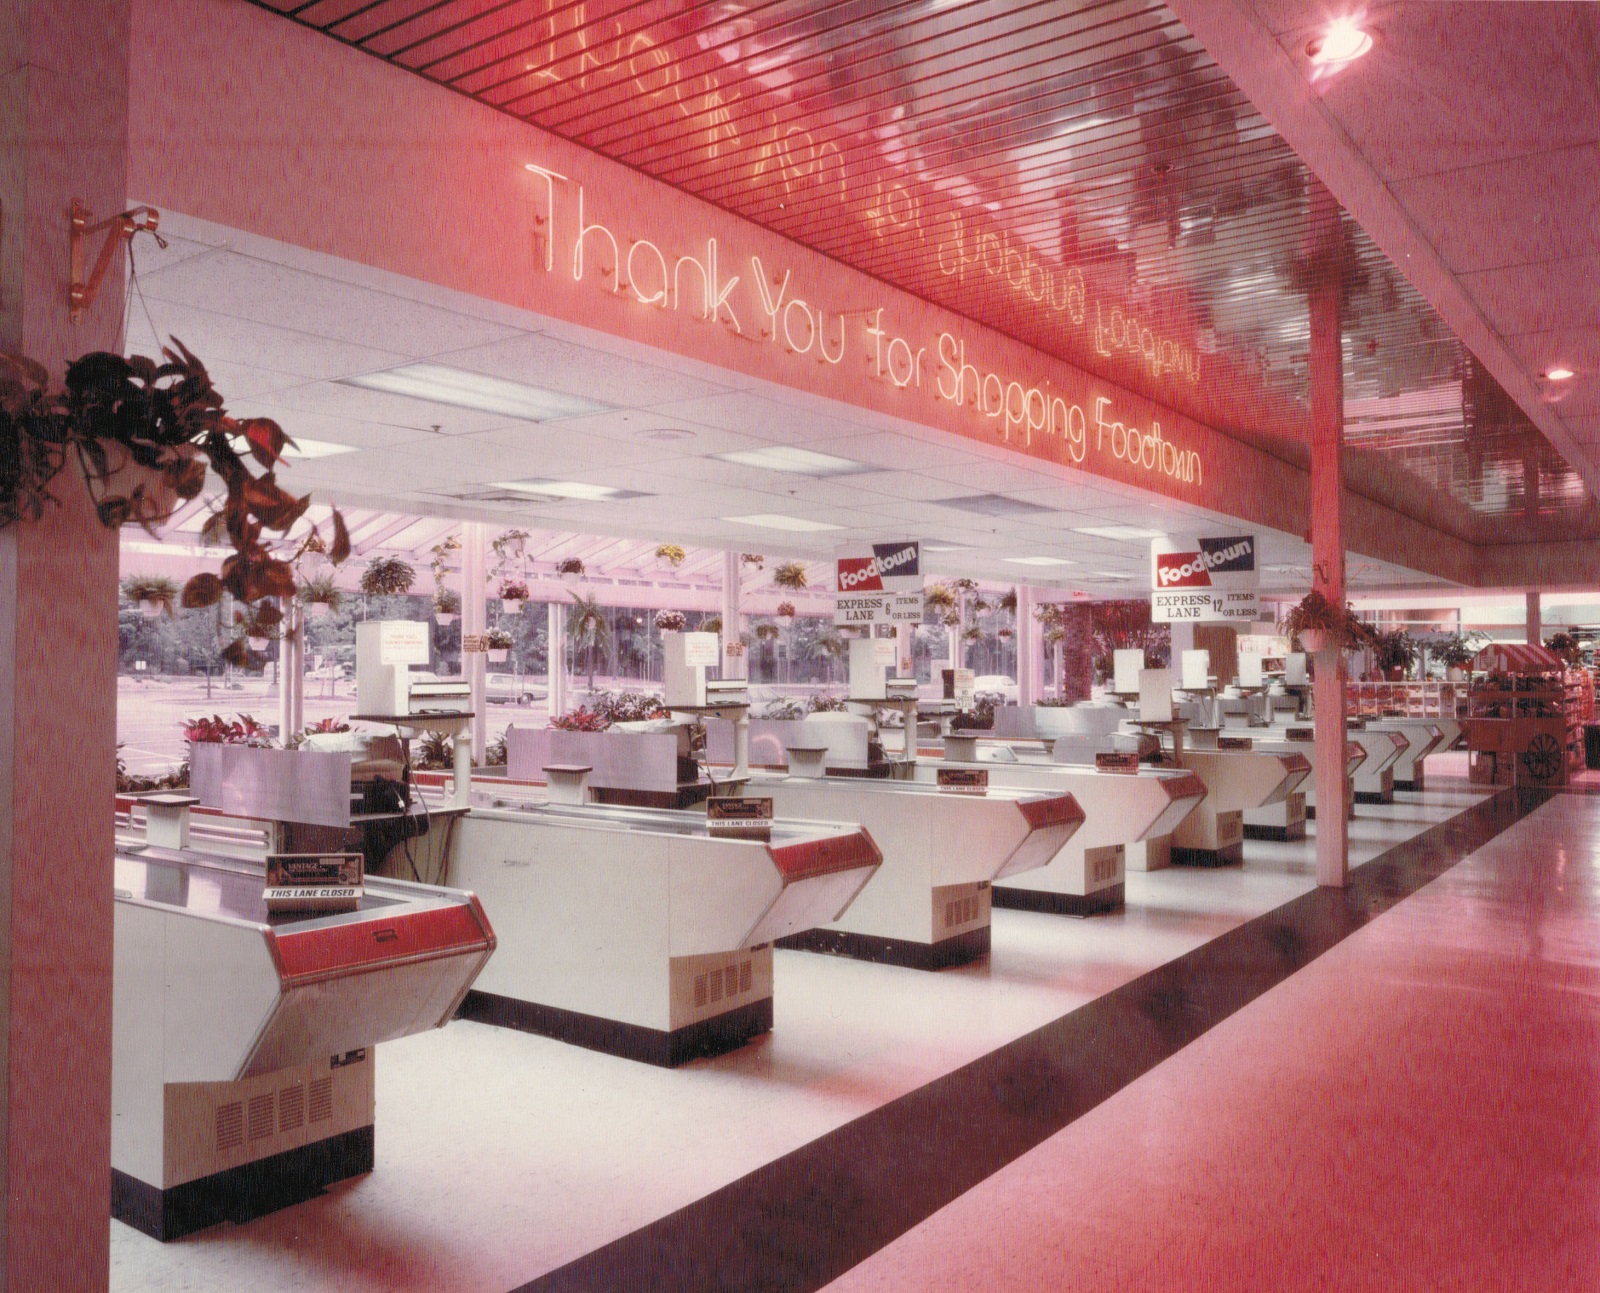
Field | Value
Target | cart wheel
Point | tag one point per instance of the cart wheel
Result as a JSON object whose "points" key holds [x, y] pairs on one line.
{"points": [[1542, 758]]}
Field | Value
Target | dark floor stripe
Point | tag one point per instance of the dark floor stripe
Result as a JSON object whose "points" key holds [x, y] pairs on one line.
{"points": [[806, 1218]]}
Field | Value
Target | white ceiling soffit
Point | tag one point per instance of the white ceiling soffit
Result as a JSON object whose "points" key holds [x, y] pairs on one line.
{"points": [[1467, 145], [282, 329]]}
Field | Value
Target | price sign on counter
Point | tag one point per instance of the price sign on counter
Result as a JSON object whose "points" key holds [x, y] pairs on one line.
{"points": [[740, 818], [1123, 761], [1235, 743], [313, 882], [1301, 734], [964, 781]]}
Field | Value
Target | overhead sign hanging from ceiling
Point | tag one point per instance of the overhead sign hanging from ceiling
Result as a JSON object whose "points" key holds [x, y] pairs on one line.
{"points": [[879, 585], [1204, 580]]}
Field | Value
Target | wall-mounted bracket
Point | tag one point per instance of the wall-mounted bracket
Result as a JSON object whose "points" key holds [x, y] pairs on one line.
{"points": [[82, 291]]}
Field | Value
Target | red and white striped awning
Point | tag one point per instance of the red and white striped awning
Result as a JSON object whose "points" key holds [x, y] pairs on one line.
{"points": [[1517, 657]]}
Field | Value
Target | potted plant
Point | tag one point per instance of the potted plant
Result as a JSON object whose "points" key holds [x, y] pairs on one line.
{"points": [[513, 593], [1317, 622], [570, 569], [1455, 654], [446, 606], [1008, 601], [387, 577], [671, 555], [766, 632], [319, 596], [711, 624], [790, 575], [671, 621], [938, 598], [499, 645], [785, 613], [1394, 652], [752, 559], [154, 594], [1003, 634], [256, 626], [1567, 646]]}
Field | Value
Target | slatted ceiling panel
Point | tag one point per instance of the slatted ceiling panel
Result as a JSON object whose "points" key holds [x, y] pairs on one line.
{"points": [[1087, 138]]}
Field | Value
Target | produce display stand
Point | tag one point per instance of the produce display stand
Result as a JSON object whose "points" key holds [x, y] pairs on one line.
{"points": [[1526, 712]]}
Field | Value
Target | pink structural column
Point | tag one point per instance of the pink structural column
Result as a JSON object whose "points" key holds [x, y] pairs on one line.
{"points": [[733, 666], [1027, 640], [64, 114], [1327, 531], [1533, 623]]}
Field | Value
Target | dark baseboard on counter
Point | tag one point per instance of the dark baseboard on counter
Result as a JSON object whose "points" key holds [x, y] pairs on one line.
{"points": [[962, 949], [1233, 855], [241, 1193], [1280, 834], [1099, 903], [1375, 796], [715, 1036]]}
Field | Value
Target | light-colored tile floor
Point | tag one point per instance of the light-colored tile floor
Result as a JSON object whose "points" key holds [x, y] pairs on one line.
{"points": [[501, 1156], [1417, 1109]]}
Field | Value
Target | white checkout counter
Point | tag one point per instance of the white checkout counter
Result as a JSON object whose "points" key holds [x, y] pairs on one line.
{"points": [[1272, 820], [242, 1071], [631, 930], [1237, 781], [1373, 782], [928, 905], [1087, 877], [1425, 736]]}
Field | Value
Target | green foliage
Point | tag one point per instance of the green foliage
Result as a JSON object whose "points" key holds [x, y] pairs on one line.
{"points": [[320, 590], [151, 588], [387, 577], [790, 575]]}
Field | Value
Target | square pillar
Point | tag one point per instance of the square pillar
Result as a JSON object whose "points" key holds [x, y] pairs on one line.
{"points": [[64, 113]]}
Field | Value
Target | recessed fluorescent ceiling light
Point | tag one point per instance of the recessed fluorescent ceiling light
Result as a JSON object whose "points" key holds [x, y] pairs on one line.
{"points": [[568, 489], [1036, 561], [306, 447], [1128, 532], [991, 505], [802, 462], [778, 521], [441, 385], [947, 547]]}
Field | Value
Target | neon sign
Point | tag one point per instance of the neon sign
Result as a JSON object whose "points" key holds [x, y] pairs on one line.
{"points": [[766, 142], [571, 240]]}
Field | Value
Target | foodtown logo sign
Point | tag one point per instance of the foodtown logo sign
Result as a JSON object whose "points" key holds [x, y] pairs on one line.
{"points": [[743, 293]]}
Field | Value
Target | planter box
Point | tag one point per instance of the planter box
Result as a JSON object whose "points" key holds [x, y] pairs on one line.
{"points": [[308, 786]]}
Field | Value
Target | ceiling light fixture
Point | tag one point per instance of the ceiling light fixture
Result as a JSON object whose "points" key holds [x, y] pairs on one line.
{"points": [[947, 547], [778, 521], [1559, 373], [440, 385], [1127, 533], [1342, 41], [564, 489], [1036, 561], [789, 458]]}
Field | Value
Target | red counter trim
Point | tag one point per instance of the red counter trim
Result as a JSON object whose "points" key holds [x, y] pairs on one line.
{"points": [[1058, 810], [305, 956], [826, 856], [1354, 753], [1295, 762], [1188, 786]]}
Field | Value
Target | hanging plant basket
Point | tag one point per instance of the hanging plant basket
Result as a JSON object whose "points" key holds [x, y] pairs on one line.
{"points": [[1315, 640], [445, 618], [498, 655], [317, 610], [258, 644], [511, 605], [570, 570], [151, 610]]}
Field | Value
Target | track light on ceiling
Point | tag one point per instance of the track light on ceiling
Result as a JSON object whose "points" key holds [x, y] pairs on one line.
{"points": [[1342, 41]]}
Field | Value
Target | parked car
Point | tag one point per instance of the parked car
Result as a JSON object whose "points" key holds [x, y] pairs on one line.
{"points": [[509, 689], [996, 683]]}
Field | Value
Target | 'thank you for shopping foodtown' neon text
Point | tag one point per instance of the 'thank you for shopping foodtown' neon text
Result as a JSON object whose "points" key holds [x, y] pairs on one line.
{"points": [[748, 298]]}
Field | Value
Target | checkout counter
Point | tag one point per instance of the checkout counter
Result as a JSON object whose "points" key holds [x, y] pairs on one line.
{"points": [[1088, 875], [1273, 820], [1424, 736], [1238, 779], [242, 1041], [637, 931], [928, 906]]}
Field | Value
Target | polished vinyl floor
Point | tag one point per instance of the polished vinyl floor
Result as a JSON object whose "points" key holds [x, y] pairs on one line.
{"points": [[506, 1160]]}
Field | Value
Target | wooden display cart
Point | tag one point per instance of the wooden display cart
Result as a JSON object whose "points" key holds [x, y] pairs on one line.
{"points": [[1526, 712]]}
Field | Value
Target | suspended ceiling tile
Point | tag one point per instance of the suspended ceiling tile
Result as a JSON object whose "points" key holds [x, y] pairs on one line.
{"points": [[275, 349], [1540, 299], [1521, 81], [338, 400], [1527, 210], [249, 288], [548, 363]]}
